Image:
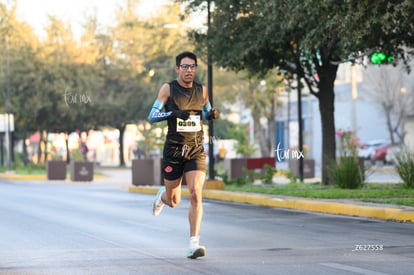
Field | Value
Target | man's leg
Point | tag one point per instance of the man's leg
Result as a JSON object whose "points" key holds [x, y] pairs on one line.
{"points": [[195, 181], [170, 194]]}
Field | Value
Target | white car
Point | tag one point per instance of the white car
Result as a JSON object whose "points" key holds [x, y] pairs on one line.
{"points": [[368, 148], [391, 153]]}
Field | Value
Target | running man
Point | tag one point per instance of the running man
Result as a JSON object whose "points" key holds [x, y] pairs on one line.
{"points": [[186, 103]]}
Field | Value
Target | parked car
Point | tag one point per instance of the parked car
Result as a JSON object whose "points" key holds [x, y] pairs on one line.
{"points": [[391, 153], [368, 148], [380, 153]]}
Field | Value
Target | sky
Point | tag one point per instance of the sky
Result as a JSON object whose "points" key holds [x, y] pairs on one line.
{"points": [[35, 12]]}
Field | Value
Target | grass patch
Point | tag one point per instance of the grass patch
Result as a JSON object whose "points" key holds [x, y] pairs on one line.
{"points": [[29, 169], [378, 193], [400, 201]]}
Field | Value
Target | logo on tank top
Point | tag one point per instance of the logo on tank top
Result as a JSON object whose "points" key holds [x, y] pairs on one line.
{"points": [[168, 169]]}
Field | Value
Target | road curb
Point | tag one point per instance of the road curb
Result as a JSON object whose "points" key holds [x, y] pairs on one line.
{"points": [[338, 208], [22, 177], [14, 177]]}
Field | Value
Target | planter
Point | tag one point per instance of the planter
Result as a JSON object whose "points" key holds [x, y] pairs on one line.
{"points": [[56, 169], [81, 171], [242, 167], [147, 172], [308, 167]]}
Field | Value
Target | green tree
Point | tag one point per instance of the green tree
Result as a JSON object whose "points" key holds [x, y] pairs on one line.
{"points": [[43, 77], [260, 97], [64, 82], [222, 128], [306, 38], [18, 65], [241, 133], [239, 91], [137, 57]]}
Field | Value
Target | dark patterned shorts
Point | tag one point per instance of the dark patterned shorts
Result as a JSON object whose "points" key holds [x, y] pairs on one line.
{"points": [[178, 159]]}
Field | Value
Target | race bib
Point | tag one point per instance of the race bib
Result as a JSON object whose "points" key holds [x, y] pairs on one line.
{"points": [[192, 124]]}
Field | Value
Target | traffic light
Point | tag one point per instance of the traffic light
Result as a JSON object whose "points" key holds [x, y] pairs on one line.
{"points": [[381, 58]]}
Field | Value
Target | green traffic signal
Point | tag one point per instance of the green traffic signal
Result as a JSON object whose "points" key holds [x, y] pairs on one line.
{"points": [[381, 58], [390, 58], [378, 57]]}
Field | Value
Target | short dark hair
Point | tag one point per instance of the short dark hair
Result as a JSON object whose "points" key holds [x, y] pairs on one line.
{"points": [[182, 55]]}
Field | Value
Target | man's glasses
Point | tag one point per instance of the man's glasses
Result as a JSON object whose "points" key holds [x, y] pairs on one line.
{"points": [[185, 67]]}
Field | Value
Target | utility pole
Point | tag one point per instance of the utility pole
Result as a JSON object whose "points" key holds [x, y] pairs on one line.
{"points": [[354, 89], [300, 125], [210, 96], [8, 106]]}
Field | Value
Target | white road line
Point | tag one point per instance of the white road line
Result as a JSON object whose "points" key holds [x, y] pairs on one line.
{"points": [[352, 269]]}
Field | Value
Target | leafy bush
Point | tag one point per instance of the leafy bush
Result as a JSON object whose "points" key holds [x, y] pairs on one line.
{"points": [[29, 168], [77, 155], [289, 174], [346, 173], [405, 167], [348, 143], [269, 171], [239, 181]]}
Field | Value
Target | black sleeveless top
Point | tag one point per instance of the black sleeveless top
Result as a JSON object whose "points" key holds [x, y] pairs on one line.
{"points": [[191, 99]]}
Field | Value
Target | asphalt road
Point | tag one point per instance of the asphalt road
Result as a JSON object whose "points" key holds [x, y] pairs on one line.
{"points": [[72, 228]]}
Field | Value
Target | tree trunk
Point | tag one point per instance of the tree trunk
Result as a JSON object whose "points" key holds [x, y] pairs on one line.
{"points": [[326, 97], [46, 149], [39, 147], [271, 126], [12, 141], [121, 129], [67, 148], [259, 135], [25, 155], [387, 107], [1, 150]]}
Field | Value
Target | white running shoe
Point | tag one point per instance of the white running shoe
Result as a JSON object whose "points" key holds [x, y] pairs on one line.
{"points": [[195, 249], [158, 205], [194, 253]]}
